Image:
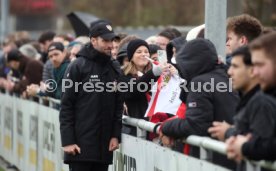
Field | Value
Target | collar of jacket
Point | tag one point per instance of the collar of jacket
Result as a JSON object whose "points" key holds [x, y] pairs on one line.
{"points": [[271, 91], [62, 66], [90, 53], [246, 97]]}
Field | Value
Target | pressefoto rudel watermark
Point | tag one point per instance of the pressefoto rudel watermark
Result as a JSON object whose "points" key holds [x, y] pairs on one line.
{"points": [[134, 86]]}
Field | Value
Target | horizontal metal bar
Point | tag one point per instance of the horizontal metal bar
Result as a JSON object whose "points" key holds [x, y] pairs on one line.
{"points": [[205, 142], [140, 123], [50, 99]]}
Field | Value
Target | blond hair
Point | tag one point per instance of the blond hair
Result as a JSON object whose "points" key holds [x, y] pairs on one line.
{"points": [[131, 69]]}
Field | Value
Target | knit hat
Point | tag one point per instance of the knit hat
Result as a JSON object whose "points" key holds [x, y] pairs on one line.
{"points": [[133, 45], [56, 46]]}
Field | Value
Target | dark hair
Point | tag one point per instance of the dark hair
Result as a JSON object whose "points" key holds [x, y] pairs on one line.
{"points": [[119, 37], [154, 48], [244, 53], [170, 33], [14, 55], [266, 42], [176, 32], [126, 40], [48, 35], [201, 33], [245, 25], [122, 54]]}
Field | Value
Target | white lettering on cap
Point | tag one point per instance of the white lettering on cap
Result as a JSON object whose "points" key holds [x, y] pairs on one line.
{"points": [[51, 48]]}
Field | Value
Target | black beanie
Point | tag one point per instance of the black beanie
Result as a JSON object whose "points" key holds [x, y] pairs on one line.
{"points": [[133, 45]]}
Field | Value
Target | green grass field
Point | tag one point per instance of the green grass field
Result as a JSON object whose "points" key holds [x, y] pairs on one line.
{"points": [[1, 169]]}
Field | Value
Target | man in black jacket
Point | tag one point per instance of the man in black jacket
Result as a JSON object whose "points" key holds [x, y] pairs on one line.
{"points": [[263, 51], [197, 62], [251, 112], [91, 112]]}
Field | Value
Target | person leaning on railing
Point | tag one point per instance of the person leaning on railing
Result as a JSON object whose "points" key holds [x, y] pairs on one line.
{"points": [[198, 63], [263, 51], [139, 71], [53, 88], [255, 148]]}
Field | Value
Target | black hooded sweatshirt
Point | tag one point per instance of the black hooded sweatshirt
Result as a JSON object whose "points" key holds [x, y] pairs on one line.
{"points": [[91, 117], [176, 43], [197, 63]]}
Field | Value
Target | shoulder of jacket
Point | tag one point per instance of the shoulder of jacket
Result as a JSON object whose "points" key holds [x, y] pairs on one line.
{"points": [[261, 99], [214, 74], [79, 62], [202, 78], [116, 66]]}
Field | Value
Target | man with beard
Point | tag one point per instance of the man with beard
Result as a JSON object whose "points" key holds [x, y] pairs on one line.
{"points": [[91, 116], [255, 147]]}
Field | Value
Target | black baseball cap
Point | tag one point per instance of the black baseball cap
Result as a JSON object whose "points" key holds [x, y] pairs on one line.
{"points": [[56, 46], [102, 29]]}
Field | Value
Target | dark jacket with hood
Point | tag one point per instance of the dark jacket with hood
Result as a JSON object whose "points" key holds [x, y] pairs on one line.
{"points": [[90, 117], [263, 148], [197, 63], [176, 43]]}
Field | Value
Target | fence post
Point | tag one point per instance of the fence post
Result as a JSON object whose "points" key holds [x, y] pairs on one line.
{"points": [[252, 167], [5, 10], [51, 103], [205, 154], [141, 133], [215, 24]]}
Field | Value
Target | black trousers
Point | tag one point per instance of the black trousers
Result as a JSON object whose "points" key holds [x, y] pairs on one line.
{"points": [[88, 166]]}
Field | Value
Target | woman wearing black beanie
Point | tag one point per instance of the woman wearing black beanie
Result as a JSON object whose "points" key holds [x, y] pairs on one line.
{"points": [[139, 74]]}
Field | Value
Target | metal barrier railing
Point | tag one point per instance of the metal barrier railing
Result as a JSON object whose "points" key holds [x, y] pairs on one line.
{"points": [[205, 144], [52, 102]]}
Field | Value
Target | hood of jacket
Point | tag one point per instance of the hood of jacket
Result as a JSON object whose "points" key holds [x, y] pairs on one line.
{"points": [[197, 57], [177, 43], [90, 53]]}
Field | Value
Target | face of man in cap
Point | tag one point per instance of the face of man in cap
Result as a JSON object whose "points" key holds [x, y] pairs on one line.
{"points": [[102, 45]]}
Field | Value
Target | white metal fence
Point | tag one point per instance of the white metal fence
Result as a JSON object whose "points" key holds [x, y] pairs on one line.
{"points": [[30, 139]]}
